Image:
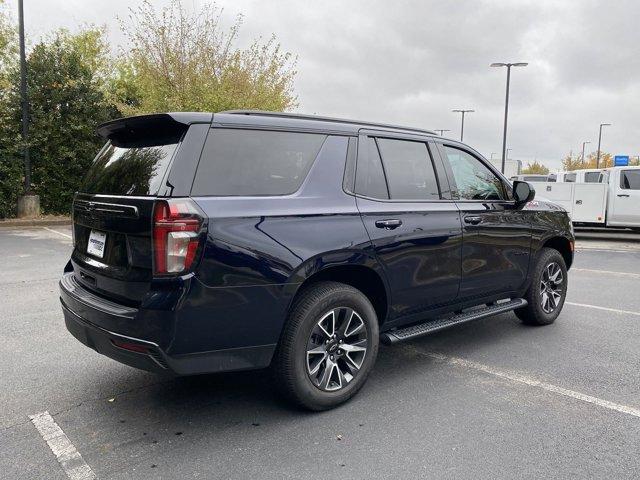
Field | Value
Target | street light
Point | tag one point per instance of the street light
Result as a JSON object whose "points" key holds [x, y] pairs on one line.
{"points": [[583, 144], [441, 130], [506, 104], [599, 140], [462, 127], [24, 102]]}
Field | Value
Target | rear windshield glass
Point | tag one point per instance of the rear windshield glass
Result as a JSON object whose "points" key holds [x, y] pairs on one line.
{"points": [[129, 170], [255, 162]]}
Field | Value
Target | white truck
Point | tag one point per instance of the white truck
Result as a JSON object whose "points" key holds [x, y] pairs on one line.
{"points": [[615, 202]]}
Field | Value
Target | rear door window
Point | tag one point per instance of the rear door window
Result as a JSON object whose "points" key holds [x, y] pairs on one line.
{"points": [[630, 179], [410, 172], [238, 162], [370, 179]]}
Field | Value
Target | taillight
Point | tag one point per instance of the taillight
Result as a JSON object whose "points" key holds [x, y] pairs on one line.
{"points": [[176, 228]]}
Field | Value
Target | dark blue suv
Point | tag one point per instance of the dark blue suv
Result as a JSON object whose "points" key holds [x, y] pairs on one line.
{"points": [[244, 240]]}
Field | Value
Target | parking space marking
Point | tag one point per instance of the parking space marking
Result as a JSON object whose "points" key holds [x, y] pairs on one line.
{"points": [[59, 233], [606, 309], [68, 457], [606, 272], [532, 382]]}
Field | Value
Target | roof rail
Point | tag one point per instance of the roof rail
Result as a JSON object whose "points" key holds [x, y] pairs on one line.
{"points": [[302, 116]]}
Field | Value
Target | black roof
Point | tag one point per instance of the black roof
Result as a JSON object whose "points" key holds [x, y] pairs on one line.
{"points": [[342, 124]]}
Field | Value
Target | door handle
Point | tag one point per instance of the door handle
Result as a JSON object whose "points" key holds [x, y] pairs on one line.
{"points": [[623, 194], [389, 224], [473, 220]]}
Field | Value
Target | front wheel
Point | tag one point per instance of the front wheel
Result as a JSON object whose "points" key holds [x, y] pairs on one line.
{"points": [[328, 346], [548, 289]]}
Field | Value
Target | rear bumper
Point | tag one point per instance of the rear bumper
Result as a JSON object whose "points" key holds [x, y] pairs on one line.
{"points": [[83, 311]]}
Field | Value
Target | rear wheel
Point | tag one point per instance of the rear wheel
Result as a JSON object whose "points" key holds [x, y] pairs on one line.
{"points": [[328, 346], [548, 289]]}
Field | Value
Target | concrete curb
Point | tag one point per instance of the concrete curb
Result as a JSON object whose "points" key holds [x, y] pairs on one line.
{"points": [[34, 222]]}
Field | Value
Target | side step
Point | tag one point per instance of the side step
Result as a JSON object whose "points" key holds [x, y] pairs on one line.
{"points": [[414, 331]]}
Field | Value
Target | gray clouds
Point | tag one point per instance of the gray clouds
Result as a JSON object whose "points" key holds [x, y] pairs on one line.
{"points": [[411, 62]]}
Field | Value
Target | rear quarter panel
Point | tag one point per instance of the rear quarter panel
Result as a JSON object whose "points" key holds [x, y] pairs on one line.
{"points": [[260, 249]]}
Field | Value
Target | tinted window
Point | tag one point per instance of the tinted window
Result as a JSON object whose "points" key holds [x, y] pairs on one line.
{"points": [[630, 179], [592, 177], [409, 170], [473, 179], [252, 162], [122, 170], [535, 178], [570, 177], [370, 180]]}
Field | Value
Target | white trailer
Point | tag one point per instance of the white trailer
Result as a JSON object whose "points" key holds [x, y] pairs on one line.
{"points": [[613, 203]]}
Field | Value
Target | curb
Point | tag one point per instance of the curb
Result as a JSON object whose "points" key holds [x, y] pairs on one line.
{"points": [[34, 222]]}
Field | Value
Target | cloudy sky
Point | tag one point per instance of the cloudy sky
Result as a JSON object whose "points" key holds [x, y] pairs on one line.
{"points": [[412, 62]]}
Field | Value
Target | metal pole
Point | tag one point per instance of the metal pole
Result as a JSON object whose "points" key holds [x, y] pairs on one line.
{"points": [[506, 113], [598, 155], [583, 144], [462, 127], [24, 101]]}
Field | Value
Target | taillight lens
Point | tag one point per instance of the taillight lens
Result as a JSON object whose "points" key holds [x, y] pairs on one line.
{"points": [[176, 228]]}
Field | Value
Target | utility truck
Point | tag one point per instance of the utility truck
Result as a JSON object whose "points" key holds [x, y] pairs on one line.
{"points": [[614, 202]]}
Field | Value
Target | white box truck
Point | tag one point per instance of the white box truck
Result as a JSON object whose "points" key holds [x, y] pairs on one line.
{"points": [[613, 203]]}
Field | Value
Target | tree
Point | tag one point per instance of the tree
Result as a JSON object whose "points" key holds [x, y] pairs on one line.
{"points": [[65, 86], [181, 61], [575, 162], [535, 168]]}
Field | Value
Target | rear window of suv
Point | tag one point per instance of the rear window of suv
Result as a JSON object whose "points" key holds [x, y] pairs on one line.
{"points": [[134, 169], [255, 162]]}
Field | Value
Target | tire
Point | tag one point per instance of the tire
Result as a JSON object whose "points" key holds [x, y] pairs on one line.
{"points": [[536, 313], [307, 357]]}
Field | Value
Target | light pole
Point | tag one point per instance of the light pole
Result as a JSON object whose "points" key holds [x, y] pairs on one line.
{"points": [[599, 141], [24, 101], [462, 126], [506, 104], [441, 130], [583, 144]]}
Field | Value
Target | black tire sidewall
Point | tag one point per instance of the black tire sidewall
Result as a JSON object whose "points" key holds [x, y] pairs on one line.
{"points": [[308, 394], [535, 314]]}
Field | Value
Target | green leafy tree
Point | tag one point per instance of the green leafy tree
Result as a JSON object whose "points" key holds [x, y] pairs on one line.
{"points": [[65, 84], [11, 166], [181, 61], [535, 168]]}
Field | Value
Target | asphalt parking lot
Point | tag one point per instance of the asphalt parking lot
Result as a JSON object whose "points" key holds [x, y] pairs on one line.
{"points": [[491, 399]]}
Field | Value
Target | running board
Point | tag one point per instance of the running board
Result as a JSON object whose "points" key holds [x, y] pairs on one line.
{"points": [[414, 331]]}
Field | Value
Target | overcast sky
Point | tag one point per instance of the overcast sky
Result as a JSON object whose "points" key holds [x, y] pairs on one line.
{"points": [[412, 62]]}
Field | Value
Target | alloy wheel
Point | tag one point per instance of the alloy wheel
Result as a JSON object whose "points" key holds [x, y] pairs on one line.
{"points": [[551, 287], [336, 349]]}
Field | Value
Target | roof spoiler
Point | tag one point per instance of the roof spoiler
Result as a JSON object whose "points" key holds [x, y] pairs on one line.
{"points": [[143, 128]]}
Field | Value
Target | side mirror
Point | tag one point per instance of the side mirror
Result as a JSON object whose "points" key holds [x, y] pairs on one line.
{"points": [[523, 193]]}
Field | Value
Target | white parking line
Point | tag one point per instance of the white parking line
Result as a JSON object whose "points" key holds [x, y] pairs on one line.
{"points": [[606, 272], [68, 457], [532, 382], [59, 233], [606, 309], [66, 235]]}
